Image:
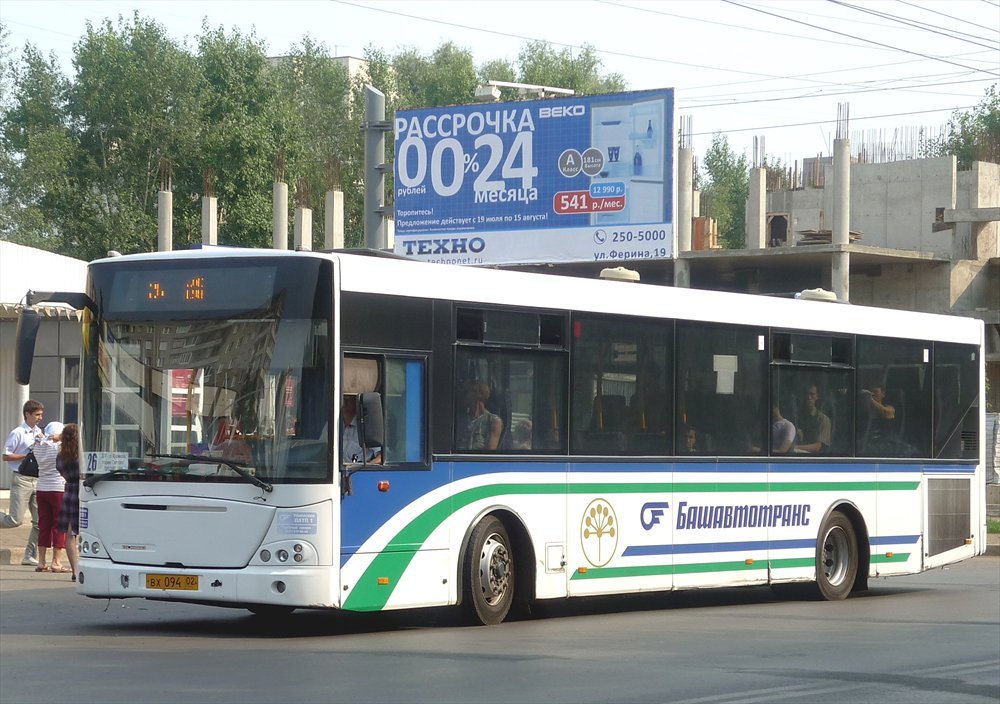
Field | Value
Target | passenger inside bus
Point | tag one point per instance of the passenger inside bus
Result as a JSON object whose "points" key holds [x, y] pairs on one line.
{"points": [[688, 440], [814, 425], [782, 432], [522, 435], [478, 428], [880, 427], [350, 444]]}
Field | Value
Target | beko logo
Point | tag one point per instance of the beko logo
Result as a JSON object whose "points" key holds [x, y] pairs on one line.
{"points": [[562, 111]]}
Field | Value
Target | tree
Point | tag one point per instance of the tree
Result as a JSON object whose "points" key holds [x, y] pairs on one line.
{"points": [[36, 149], [725, 195], [134, 104], [82, 159], [446, 77], [245, 126], [320, 136], [540, 64], [973, 135]]}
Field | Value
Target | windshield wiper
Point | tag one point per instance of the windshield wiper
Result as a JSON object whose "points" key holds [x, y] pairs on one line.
{"points": [[257, 482], [90, 481]]}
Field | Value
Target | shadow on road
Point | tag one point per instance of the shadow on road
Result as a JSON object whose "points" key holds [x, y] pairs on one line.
{"points": [[226, 623]]}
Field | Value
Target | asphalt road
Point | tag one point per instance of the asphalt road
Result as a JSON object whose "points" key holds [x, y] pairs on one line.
{"points": [[932, 638]]}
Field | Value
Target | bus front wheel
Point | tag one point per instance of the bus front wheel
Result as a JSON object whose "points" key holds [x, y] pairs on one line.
{"points": [[836, 558], [489, 573]]}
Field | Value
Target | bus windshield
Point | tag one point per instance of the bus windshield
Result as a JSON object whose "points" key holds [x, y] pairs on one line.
{"points": [[247, 389]]}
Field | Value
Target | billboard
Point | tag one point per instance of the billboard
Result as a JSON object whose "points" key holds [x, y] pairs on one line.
{"points": [[567, 180]]}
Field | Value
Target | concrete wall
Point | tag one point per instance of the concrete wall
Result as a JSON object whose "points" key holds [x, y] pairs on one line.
{"points": [[979, 187], [804, 208], [919, 287], [893, 204]]}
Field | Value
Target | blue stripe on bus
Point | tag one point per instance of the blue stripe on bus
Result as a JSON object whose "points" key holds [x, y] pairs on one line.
{"points": [[696, 548], [894, 539]]}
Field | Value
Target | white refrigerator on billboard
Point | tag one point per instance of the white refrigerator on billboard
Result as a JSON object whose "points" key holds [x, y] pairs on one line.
{"points": [[630, 137]]}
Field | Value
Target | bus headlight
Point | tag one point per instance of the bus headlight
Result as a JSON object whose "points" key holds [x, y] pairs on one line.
{"points": [[297, 552], [91, 547]]}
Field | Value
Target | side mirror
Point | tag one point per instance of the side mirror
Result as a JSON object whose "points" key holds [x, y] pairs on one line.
{"points": [[370, 424], [24, 350]]}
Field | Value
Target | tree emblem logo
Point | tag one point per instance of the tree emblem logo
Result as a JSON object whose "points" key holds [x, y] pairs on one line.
{"points": [[599, 533]]}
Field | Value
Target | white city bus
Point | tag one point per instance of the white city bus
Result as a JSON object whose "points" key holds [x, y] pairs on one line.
{"points": [[520, 436]]}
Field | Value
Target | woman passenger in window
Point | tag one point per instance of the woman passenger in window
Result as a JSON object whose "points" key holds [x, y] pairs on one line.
{"points": [[478, 429]]}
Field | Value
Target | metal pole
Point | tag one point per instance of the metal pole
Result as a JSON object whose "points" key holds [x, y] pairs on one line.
{"points": [[375, 166]]}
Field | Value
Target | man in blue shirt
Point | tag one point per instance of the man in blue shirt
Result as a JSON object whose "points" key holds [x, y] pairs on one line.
{"points": [[22, 489]]}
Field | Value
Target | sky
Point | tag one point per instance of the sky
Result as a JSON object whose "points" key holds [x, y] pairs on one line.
{"points": [[775, 73]]}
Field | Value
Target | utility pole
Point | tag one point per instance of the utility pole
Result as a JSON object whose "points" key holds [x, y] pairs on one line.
{"points": [[375, 128]]}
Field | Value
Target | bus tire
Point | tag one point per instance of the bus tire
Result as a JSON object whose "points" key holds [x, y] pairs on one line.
{"points": [[489, 573], [836, 558]]}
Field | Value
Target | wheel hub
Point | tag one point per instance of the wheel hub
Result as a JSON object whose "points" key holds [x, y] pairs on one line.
{"points": [[494, 569], [836, 556]]}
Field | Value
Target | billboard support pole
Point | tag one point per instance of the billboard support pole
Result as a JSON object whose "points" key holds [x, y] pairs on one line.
{"points": [[375, 128]]}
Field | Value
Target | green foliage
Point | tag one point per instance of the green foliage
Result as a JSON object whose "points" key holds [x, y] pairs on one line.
{"points": [[542, 65], [446, 77], [36, 150], [725, 193], [82, 160], [320, 129], [973, 135], [134, 103]]}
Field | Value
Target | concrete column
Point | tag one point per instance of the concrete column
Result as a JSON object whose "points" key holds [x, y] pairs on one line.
{"points": [[841, 191], [756, 220], [279, 215], [164, 221], [302, 232], [840, 275], [840, 266], [685, 189], [209, 220], [333, 224], [696, 204]]}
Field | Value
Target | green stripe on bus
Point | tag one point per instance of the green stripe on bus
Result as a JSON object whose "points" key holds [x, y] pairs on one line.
{"points": [[882, 558], [368, 595], [658, 570]]}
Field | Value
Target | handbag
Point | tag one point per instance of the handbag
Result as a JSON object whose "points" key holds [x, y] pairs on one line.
{"points": [[28, 466]]}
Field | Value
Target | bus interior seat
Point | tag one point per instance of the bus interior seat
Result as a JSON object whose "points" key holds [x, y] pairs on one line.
{"points": [[610, 413]]}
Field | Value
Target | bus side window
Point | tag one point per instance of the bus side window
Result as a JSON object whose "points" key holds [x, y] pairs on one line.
{"points": [[404, 402]]}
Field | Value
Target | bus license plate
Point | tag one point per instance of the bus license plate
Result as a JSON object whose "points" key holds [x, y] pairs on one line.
{"points": [[181, 582]]}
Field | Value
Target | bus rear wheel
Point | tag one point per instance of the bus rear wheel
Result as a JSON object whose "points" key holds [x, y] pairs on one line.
{"points": [[489, 573], [836, 558]]}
